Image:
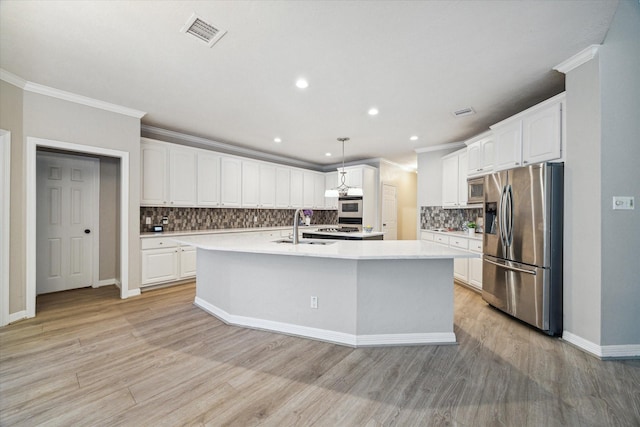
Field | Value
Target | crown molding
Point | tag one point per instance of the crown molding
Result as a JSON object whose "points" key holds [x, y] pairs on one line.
{"points": [[578, 59], [440, 147], [190, 140], [68, 96]]}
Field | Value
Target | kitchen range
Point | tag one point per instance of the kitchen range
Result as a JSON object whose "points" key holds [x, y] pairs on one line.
{"points": [[350, 227]]}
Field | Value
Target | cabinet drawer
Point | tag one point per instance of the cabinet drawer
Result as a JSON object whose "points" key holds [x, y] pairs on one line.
{"points": [[443, 240], [157, 243], [425, 235], [475, 245], [459, 242]]}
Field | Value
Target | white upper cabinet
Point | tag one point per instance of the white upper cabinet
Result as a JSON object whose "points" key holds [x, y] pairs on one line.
{"points": [[208, 179], [283, 187], [309, 182], [183, 167], [230, 182], [169, 174], [154, 173], [480, 155], [267, 184], [532, 136], [318, 191], [450, 180], [296, 189], [462, 178], [250, 184], [331, 181]]}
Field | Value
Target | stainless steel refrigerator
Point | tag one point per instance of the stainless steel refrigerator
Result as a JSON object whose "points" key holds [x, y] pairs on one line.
{"points": [[522, 260]]}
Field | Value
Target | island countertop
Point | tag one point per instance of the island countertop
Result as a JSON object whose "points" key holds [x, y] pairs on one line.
{"points": [[344, 249]]}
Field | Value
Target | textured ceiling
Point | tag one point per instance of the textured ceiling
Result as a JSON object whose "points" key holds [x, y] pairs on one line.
{"points": [[415, 61]]}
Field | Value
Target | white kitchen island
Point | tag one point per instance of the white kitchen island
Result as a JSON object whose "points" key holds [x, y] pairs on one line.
{"points": [[368, 293]]}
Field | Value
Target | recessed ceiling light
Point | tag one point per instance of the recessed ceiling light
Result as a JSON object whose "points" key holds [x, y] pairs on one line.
{"points": [[302, 83], [414, 138], [327, 154], [277, 140], [373, 111]]}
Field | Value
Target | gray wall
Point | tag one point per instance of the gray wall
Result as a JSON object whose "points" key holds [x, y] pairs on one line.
{"points": [[582, 232], [109, 218], [430, 177], [28, 114], [620, 96]]}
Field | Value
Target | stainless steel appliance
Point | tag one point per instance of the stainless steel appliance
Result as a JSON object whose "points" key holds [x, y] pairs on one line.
{"points": [[350, 211], [522, 261], [475, 190]]}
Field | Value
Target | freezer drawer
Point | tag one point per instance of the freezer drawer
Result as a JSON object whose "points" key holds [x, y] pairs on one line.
{"points": [[522, 291]]}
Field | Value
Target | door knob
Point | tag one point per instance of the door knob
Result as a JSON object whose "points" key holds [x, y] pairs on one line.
{"points": [[87, 231]]}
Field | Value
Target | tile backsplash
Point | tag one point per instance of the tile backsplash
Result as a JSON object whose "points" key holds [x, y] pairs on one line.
{"points": [[438, 217], [187, 219]]}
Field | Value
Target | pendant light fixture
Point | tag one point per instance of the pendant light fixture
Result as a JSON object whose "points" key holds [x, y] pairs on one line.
{"points": [[343, 189]]}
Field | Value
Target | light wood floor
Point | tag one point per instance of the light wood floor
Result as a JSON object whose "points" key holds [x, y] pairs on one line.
{"points": [[89, 358]]}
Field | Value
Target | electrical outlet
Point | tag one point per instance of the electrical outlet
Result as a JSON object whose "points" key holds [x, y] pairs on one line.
{"points": [[165, 220], [147, 220], [255, 219], [314, 302]]}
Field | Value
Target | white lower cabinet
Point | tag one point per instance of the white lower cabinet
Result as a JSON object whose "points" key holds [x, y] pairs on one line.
{"points": [[467, 270], [166, 261]]}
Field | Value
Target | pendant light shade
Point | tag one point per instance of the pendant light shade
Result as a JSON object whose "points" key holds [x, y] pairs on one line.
{"points": [[343, 189]]}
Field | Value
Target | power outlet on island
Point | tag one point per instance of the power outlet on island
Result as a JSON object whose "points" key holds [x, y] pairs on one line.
{"points": [[314, 302]]}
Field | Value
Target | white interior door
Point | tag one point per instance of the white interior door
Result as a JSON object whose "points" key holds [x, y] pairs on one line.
{"points": [[389, 212], [67, 210]]}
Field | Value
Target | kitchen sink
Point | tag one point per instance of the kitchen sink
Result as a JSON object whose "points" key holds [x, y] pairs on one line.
{"points": [[306, 242]]}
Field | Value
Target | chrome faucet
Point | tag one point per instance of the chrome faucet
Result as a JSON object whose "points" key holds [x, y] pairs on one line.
{"points": [[296, 221]]}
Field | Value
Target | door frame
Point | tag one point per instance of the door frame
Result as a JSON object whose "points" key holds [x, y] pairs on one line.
{"points": [[95, 203], [32, 143], [5, 224]]}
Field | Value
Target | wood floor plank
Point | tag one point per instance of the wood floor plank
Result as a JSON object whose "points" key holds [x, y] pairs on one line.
{"points": [[90, 358]]}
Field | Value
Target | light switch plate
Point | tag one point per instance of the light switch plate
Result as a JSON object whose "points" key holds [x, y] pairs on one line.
{"points": [[623, 202]]}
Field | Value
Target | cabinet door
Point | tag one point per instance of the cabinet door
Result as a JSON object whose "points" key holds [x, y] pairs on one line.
{"points": [[183, 177], [309, 183], [159, 265], [187, 262], [353, 178], [475, 272], [230, 182], [250, 184], [462, 179], [474, 158], [486, 155], [297, 188], [508, 146], [331, 182], [154, 174], [461, 269], [542, 135], [208, 179], [267, 186], [450, 181], [318, 191], [283, 186]]}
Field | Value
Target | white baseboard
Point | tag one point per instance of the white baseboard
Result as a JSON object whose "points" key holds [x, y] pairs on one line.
{"points": [[107, 282], [603, 351], [133, 293], [327, 335], [18, 315]]}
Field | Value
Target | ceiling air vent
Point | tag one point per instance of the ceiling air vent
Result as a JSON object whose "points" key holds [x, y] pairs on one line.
{"points": [[464, 112], [202, 30]]}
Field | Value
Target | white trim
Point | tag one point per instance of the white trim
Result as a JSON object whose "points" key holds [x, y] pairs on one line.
{"points": [[106, 282], [450, 145], [68, 96], [18, 315], [603, 352], [324, 334], [32, 144], [578, 59], [5, 225]]}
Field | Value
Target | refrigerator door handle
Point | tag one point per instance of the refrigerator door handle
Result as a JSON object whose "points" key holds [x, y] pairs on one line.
{"points": [[506, 267], [509, 215], [501, 217]]}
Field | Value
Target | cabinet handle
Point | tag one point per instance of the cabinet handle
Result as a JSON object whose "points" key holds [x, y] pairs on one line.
{"points": [[525, 162], [160, 243], [517, 163]]}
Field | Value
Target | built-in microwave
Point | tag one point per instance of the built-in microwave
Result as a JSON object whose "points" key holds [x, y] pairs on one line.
{"points": [[350, 207], [475, 192]]}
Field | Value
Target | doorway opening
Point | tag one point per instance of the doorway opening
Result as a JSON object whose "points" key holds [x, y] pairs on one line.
{"points": [[122, 231]]}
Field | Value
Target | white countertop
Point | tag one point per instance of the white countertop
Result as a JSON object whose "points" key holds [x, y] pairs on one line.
{"points": [[228, 231], [477, 236], [357, 235], [345, 249]]}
